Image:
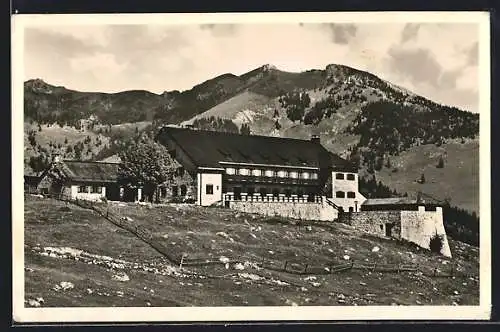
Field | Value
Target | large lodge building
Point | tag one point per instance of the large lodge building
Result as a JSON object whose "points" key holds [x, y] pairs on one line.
{"points": [[231, 167]]}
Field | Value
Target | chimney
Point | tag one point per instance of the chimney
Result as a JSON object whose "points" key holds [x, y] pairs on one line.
{"points": [[315, 139], [56, 159]]}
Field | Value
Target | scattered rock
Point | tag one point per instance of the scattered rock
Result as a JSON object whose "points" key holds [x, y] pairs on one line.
{"points": [[303, 289], [330, 250], [316, 284], [121, 277], [250, 276], [271, 252], [89, 291], [455, 292], [362, 283], [308, 228], [289, 302], [375, 249], [239, 266], [346, 257], [34, 303], [224, 259]]}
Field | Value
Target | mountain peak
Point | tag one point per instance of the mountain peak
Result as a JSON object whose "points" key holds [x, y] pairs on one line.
{"points": [[268, 67], [39, 85]]}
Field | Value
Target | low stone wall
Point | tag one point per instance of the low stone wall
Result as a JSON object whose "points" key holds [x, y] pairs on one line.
{"points": [[294, 210], [414, 226], [375, 222]]}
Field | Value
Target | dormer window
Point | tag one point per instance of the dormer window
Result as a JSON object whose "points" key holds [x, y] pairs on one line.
{"points": [[350, 177], [339, 176]]}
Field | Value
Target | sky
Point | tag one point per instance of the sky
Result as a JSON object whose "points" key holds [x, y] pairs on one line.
{"points": [[436, 60]]}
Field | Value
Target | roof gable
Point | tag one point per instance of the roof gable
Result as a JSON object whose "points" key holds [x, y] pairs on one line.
{"points": [[87, 171], [208, 148]]}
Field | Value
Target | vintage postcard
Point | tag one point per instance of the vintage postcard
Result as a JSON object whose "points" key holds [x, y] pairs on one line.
{"points": [[251, 167]]}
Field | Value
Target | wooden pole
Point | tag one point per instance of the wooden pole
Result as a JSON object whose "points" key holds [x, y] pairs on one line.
{"points": [[286, 263]]}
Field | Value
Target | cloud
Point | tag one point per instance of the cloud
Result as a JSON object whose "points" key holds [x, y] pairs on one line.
{"points": [[418, 65], [220, 30], [342, 33], [410, 32], [473, 54]]}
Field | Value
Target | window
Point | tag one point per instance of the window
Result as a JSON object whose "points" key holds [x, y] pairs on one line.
{"points": [[256, 172], [82, 189], [276, 192], [305, 175], [175, 191], [183, 190], [263, 191], [209, 189], [288, 192], [163, 192], [230, 171], [282, 174], [250, 191], [350, 177], [180, 171], [339, 176], [293, 175], [96, 190], [172, 153], [340, 194], [243, 171], [314, 176], [351, 194], [269, 173]]}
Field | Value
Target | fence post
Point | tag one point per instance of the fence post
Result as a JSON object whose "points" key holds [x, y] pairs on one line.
{"points": [[262, 264], [305, 268], [284, 268], [182, 261], [452, 270]]}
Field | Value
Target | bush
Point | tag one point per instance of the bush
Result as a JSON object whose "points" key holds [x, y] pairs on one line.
{"points": [[436, 243]]}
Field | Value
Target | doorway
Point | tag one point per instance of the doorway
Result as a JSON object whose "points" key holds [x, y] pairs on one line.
{"points": [[237, 193], [388, 230]]}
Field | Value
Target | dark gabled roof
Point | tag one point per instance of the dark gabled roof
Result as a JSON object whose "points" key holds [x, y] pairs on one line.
{"points": [[31, 179], [208, 148], [395, 201], [88, 171]]}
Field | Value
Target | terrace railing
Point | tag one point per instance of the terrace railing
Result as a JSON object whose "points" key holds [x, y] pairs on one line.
{"points": [[280, 198]]}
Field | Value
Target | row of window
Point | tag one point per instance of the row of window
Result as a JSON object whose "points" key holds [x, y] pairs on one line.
{"points": [[90, 189], [342, 194], [349, 176], [272, 173]]}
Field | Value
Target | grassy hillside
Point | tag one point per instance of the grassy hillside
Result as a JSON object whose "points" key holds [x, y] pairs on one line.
{"points": [[458, 180], [45, 141], [76, 258]]}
